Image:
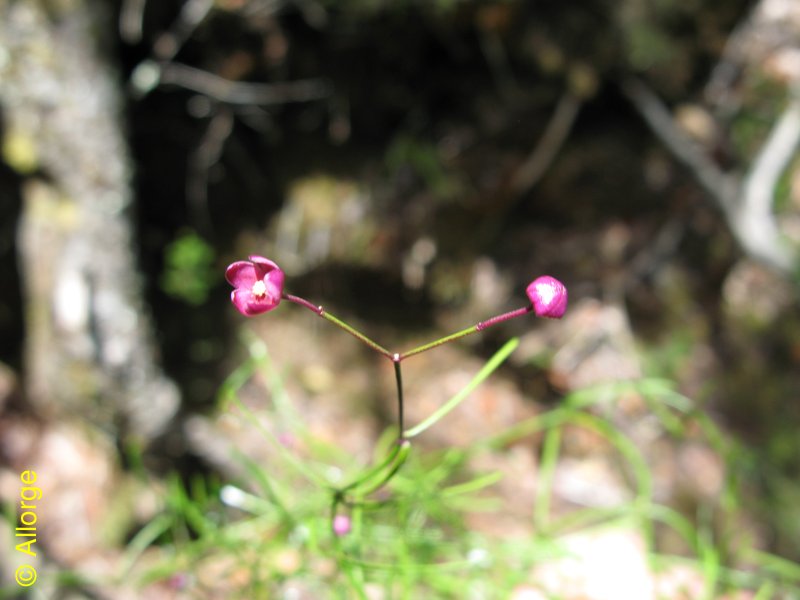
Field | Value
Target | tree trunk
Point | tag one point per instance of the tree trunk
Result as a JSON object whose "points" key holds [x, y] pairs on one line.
{"points": [[89, 347]]}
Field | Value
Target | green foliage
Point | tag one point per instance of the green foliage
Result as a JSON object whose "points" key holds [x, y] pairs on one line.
{"points": [[189, 272], [647, 45], [763, 100], [422, 158], [270, 532]]}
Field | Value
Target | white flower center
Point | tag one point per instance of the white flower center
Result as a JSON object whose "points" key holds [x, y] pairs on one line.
{"points": [[259, 289]]}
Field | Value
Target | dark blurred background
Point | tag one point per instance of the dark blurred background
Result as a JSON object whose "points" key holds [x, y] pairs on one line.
{"points": [[412, 166]]}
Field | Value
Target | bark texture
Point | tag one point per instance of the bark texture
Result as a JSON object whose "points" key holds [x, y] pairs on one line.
{"points": [[89, 347]]}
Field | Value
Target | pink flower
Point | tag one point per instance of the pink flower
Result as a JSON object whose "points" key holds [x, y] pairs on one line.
{"points": [[341, 525], [548, 296], [258, 283]]}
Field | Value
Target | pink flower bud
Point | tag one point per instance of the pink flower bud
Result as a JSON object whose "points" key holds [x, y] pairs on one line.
{"points": [[341, 525], [258, 283], [548, 296]]}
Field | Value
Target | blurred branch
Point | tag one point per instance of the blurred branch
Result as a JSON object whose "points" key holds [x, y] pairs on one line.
{"points": [[719, 185], [753, 218], [161, 69], [721, 86], [553, 138], [538, 161], [497, 59], [149, 74], [652, 257], [774, 157], [192, 14], [746, 204], [200, 161], [237, 92], [131, 18]]}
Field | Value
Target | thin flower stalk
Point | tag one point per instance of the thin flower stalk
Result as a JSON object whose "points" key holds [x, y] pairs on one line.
{"points": [[258, 289]]}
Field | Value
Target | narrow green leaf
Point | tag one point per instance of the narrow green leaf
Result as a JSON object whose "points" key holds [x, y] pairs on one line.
{"points": [[499, 357]]}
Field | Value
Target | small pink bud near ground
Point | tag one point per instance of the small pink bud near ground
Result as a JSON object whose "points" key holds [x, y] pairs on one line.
{"points": [[548, 296], [258, 283], [179, 581], [341, 525]]}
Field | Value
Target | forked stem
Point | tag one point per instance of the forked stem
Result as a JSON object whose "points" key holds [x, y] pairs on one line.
{"points": [[397, 357]]}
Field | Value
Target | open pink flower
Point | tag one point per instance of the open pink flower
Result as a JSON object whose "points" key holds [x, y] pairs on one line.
{"points": [[548, 296], [258, 283]]}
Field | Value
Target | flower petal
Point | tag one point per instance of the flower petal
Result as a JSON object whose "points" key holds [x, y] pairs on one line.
{"points": [[240, 298], [274, 284], [548, 296], [250, 305], [241, 274], [263, 265]]}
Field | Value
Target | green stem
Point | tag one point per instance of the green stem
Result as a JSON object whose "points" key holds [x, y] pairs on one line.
{"points": [[402, 456], [355, 333], [547, 468], [373, 471], [439, 342], [318, 310], [482, 326], [395, 357], [398, 376]]}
